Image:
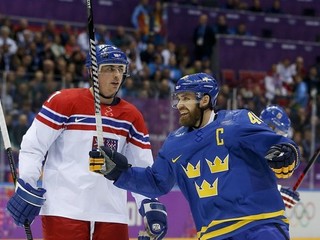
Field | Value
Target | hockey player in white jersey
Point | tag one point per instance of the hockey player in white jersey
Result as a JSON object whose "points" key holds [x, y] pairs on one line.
{"points": [[278, 120], [75, 202]]}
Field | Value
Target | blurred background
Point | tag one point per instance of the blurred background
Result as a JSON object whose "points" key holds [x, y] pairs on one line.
{"points": [[261, 52]]}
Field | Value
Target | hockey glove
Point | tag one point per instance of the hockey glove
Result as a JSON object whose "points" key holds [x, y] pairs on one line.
{"points": [[283, 159], [108, 162], [289, 196], [155, 218], [26, 202]]}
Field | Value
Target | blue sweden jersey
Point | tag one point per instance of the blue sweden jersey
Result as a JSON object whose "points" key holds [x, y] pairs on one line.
{"points": [[222, 172]]}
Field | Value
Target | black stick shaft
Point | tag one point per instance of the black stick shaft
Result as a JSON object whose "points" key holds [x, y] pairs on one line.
{"points": [[94, 67], [13, 169], [306, 169]]}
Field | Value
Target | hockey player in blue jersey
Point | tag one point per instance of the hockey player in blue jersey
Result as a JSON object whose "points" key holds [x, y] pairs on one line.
{"points": [[278, 120], [224, 163]]}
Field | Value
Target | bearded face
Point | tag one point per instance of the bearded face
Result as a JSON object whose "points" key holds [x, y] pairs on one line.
{"points": [[191, 117], [188, 106]]}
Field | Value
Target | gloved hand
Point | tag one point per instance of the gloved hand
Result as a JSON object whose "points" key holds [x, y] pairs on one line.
{"points": [[289, 197], [108, 162], [155, 219], [26, 202], [283, 159]]}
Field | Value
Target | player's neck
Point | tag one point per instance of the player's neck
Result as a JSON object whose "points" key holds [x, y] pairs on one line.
{"points": [[208, 117]]}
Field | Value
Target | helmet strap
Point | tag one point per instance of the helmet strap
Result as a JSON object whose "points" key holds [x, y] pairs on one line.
{"points": [[107, 97], [201, 117], [202, 109]]}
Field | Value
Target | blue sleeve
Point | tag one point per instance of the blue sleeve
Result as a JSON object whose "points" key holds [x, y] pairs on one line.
{"points": [[255, 135], [151, 182]]}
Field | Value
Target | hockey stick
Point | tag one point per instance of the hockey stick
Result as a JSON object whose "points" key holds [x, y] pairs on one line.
{"points": [[306, 169], [94, 67], [7, 146], [94, 74]]}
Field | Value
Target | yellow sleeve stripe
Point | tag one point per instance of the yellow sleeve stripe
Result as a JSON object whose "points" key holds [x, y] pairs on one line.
{"points": [[243, 221]]}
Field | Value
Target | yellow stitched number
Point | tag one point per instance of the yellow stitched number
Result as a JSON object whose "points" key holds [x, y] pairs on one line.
{"points": [[253, 118], [219, 140]]}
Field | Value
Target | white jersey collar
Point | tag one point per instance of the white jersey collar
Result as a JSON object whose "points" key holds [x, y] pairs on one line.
{"points": [[211, 119]]}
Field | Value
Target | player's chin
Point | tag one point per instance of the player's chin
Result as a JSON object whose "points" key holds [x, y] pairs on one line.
{"points": [[184, 120], [110, 91]]}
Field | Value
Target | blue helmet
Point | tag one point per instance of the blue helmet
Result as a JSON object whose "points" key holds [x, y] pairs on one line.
{"points": [[108, 54], [277, 118], [199, 83]]}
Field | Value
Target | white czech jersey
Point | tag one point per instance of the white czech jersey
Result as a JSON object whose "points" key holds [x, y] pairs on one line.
{"points": [[58, 143]]}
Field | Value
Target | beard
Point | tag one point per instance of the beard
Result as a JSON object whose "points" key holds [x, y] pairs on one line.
{"points": [[190, 119]]}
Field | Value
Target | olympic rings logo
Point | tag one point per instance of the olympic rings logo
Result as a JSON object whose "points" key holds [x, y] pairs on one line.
{"points": [[302, 214]]}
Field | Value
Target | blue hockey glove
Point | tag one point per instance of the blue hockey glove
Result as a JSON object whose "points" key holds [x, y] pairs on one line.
{"points": [[26, 202], [283, 159], [108, 162], [155, 218], [289, 197]]}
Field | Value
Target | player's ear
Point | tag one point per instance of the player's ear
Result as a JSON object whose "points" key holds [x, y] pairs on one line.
{"points": [[205, 101]]}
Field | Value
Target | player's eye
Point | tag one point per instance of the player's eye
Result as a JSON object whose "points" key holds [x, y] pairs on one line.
{"points": [[112, 69]]}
